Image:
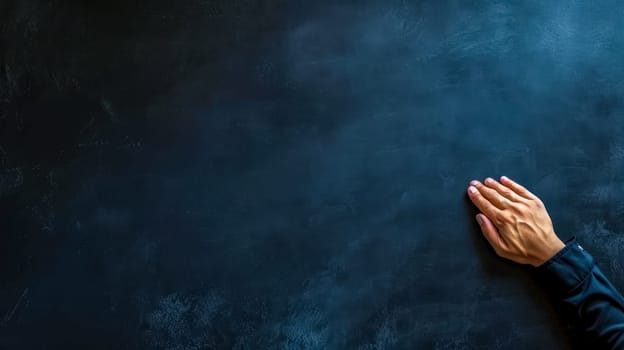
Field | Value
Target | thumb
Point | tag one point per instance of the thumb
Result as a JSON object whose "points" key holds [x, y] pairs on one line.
{"points": [[489, 230]]}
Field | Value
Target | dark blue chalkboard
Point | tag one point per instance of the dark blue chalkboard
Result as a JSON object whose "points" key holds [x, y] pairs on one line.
{"points": [[201, 174]]}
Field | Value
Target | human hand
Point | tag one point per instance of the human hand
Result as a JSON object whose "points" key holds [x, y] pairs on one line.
{"points": [[514, 221]]}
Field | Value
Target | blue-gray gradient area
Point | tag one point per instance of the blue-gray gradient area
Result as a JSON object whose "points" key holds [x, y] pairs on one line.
{"points": [[201, 174]]}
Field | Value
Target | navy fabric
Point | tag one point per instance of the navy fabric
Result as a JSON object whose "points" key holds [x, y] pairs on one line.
{"points": [[596, 305]]}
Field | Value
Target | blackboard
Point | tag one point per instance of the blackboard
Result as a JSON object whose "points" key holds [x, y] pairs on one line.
{"points": [[201, 174]]}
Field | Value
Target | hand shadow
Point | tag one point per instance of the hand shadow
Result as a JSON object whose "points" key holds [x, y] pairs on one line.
{"points": [[521, 277]]}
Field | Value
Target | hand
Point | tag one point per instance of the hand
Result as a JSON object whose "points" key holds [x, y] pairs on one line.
{"points": [[514, 221]]}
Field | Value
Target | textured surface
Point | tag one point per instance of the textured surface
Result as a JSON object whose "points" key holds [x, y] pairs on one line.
{"points": [[203, 174]]}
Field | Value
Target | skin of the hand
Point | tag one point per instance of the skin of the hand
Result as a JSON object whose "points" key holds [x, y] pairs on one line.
{"points": [[514, 221]]}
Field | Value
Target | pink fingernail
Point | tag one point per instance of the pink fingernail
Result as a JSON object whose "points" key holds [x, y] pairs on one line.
{"points": [[472, 189], [504, 178], [474, 182], [479, 220]]}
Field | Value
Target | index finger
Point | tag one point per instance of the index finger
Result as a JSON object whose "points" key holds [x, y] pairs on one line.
{"points": [[484, 205]]}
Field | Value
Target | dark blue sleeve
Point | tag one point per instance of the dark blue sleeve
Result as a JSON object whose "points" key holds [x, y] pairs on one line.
{"points": [[574, 278]]}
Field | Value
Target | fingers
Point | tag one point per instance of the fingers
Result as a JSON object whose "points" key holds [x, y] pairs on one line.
{"points": [[484, 205], [503, 190], [492, 195], [490, 232], [517, 188]]}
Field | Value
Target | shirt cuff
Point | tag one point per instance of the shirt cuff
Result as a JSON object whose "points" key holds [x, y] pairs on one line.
{"points": [[567, 269]]}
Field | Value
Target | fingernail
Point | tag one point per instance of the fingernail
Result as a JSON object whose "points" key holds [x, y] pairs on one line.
{"points": [[489, 180], [479, 220], [504, 178], [472, 189], [474, 182]]}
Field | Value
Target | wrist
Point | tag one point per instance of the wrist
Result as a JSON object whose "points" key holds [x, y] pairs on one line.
{"points": [[552, 248]]}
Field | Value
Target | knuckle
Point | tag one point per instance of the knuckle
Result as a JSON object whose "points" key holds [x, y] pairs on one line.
{"points": [[499, 219], [522, 208], [517, 210], [507, 216]]}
